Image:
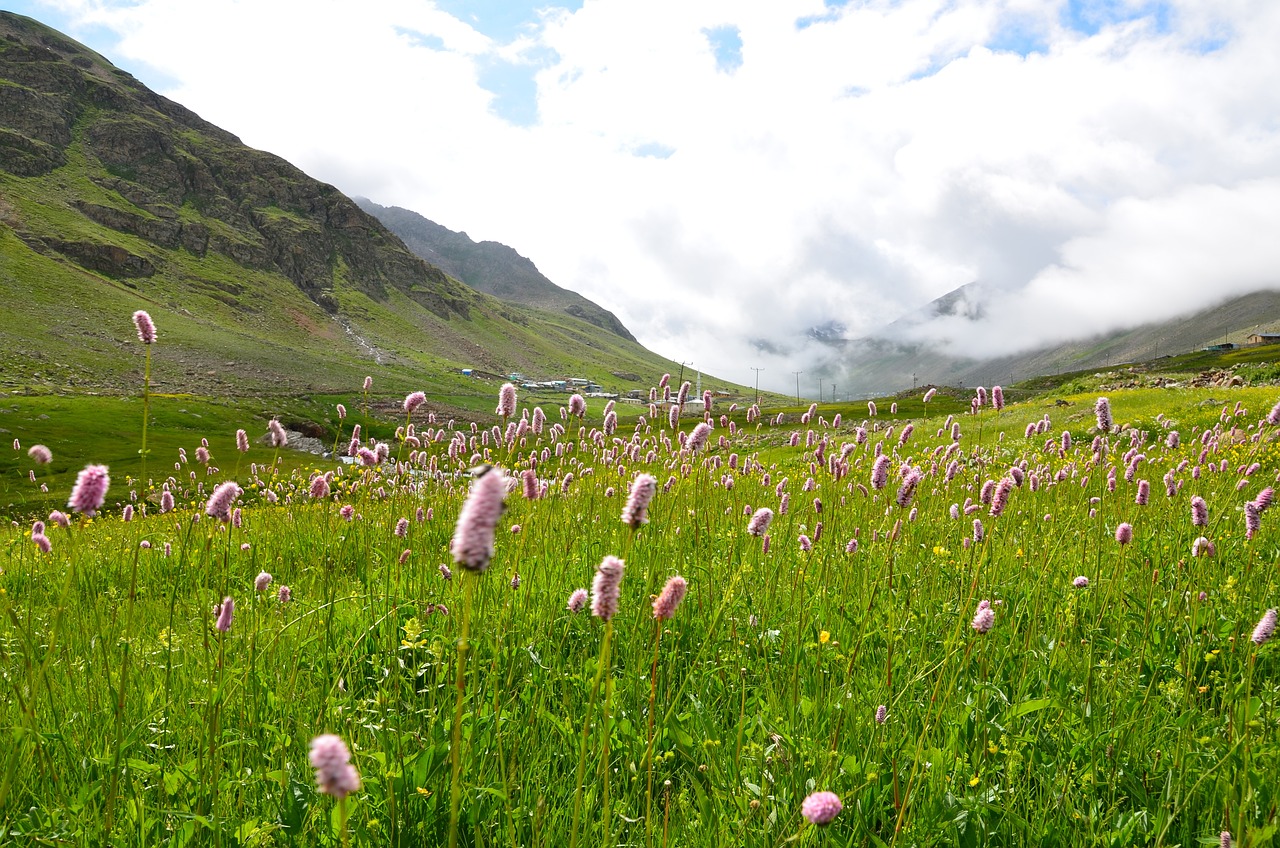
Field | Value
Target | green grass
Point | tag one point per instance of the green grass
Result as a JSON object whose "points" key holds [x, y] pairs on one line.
{"points": [[1135, 711]]}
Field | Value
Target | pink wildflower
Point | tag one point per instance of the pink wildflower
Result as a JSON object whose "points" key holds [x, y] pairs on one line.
{"points": [[821, 808], [698, 438], [320, 487], [90, 489], [146, 328], [1199, 511], [664, 606], [332, 761], [1265, 629], [636, 510], [279, 438], [219, 504], [759, 523], [577, 600], [506, 400], [284, 594], [1000, 498], [1252, 519], [40, 454], [472, 544], [984, 618], [225, 612], [262, 581], [1102, 414], [605, 588], [1124, 533]]}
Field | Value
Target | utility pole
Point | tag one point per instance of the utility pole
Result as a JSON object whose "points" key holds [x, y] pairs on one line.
{"points": [[913, 382], [680, 379], [757, 370], [819, 390], [834, 399], [797, 373]]}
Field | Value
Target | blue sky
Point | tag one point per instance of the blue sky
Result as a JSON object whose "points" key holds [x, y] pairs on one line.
{"points": [[718, 172]]}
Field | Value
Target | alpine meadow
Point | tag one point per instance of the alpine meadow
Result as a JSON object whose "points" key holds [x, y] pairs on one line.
{"points": [[308, 541]]}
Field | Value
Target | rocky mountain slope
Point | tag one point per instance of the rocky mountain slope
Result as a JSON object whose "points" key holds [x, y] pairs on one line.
{"points": [[114, 198], [489, 266]]}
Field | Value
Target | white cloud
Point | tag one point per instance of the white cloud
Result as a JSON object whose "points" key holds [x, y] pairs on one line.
{"points": [[860, 161]]}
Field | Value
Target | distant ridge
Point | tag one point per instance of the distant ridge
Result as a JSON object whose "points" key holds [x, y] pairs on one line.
{"points": [[879, 365], [489, 266]]}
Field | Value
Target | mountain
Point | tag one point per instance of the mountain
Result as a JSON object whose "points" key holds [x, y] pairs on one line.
{"points": [[259, 278], [883, 365], [489, 266]]}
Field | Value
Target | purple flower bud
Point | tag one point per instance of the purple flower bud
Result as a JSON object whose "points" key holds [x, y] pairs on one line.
{"points": [[821, 808], [759, 523], [636, 510], [225, 612], [146, 328], [1265, 629], [90, 489], [472, 544], [1102, 414], [219, 504], [332, 762], [984, 618], [664, 606], [605, 587]]}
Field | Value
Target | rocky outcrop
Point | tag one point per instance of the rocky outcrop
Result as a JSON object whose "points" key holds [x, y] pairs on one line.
{"points": [[173, 180]]}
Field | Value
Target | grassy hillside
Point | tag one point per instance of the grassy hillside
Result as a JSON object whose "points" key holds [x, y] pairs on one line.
{"points": [[262, 280]]}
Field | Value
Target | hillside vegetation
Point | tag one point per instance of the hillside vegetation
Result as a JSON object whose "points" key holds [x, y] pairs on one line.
{"points": [[266, 281]]}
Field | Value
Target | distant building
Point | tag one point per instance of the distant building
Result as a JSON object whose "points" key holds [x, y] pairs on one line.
{"points": [[1213, 348], [1264, 339]]}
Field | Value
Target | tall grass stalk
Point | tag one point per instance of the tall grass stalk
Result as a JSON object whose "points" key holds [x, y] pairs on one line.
{"points": [[460, 685]]}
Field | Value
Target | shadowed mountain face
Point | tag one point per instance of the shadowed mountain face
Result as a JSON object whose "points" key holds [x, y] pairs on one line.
{"points": [[113, 199], [489, 267]]}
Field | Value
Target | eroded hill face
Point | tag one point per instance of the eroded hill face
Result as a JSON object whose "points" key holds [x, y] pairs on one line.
{"points": [[114, 198]]}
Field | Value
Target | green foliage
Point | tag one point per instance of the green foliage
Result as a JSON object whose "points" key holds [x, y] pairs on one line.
{"points": [[1136, 710]]}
